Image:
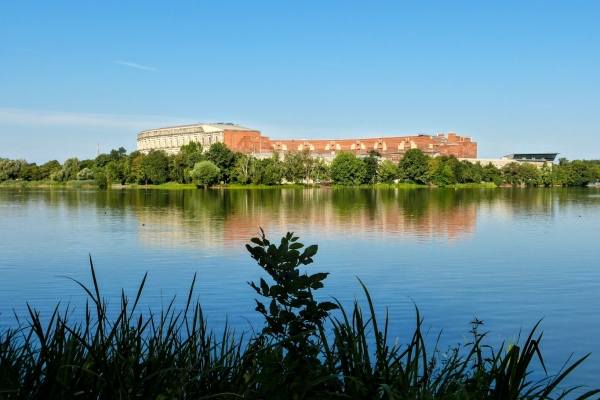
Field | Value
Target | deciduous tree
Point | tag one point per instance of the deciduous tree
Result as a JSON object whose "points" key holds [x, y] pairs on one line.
{"points": [[205, 173]]}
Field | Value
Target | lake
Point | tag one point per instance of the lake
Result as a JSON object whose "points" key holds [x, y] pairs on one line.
{"points": [[507, 256]]}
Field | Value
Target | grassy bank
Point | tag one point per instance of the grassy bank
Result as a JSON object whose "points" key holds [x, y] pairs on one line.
{"points": [[305, 350], [190, 186], [49, 184]]}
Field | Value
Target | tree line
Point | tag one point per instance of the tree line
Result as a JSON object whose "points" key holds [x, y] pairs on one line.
{"points": [[218, 164]]}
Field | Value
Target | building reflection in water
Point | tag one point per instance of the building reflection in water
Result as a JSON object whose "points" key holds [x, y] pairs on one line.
{"points": [[227, 219]]}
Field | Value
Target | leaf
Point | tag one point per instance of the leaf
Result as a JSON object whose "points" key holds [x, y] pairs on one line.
{"points": [[260, 307], [318, 277], [273, 309], [264, 287], [328, 306], [254, 287], [311, 250]]}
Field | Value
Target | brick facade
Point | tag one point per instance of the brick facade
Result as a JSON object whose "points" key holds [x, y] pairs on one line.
{"points": [[247, 140], [389, 147]]}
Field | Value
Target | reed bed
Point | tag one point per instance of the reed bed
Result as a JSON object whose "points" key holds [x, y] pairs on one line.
{"points": [[306, 350]]}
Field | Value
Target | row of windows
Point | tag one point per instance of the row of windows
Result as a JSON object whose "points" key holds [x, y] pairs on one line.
{"points": [[168, 142]]}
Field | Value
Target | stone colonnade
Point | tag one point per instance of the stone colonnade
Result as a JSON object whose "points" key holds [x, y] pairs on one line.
{"points": [[171, 139]]}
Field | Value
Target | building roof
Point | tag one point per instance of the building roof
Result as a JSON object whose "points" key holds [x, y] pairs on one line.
{"points": [[532, 157], [207, 127]]}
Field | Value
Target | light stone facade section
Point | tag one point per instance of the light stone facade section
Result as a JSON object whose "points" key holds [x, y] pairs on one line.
{"points": [[171, 139]]}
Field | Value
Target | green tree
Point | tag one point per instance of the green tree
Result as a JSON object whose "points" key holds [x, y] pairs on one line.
{"points": [[136, 173], [114, 173], [347, 169], [50, 168], [388, 171], [183, 162], [243, 168], [298, 166], [491, 173], [11, 169], [100, 178], [529, 174], [595, 172], [69, 170], [560, 174], [205, 173], [413, 166], [268, 171], [153, 168], [116, 155], [102, 160], [545, 176], [85, 174], [371, 166], [31, 173], [178, 167], [191, 148], [439, 173], [220, 155], [578, 174], [470, 173], [293, 170], [510, 172], [91, 164], [320, 171]]}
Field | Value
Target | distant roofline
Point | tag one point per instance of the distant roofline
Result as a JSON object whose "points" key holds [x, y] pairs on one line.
{"points": [[224, 125]]}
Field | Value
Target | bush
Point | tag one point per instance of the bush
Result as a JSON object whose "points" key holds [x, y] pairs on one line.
{"points": [[205, 173]]}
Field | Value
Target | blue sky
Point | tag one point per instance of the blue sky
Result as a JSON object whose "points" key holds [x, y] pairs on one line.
{"points": [[516, 76]]}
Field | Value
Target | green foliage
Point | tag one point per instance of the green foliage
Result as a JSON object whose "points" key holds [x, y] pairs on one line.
{"points": [[85, 174], [578, 174], [268, 171], [153, 168], [320, 171], [297, 166], [220, 155], [492, 174], [291, 368], [11, 169], [347, 169], [388, 171], [521, 174], [439, 172], [301, 167], [205, 173], [179, 168], [243, 168], [114, 172], [371, 167], [183, 162], [413, 166], [100, 179], [191, 148], [68, 172]]}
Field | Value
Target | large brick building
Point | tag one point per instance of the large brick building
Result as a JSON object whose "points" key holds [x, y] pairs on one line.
{"points": [[247, 140]]}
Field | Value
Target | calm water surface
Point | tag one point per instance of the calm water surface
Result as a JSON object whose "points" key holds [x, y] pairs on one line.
{"points": [[506, 256]]}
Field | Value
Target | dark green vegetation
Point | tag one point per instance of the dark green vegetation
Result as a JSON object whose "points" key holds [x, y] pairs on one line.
{"points": [[220, 165], [302, 352]]}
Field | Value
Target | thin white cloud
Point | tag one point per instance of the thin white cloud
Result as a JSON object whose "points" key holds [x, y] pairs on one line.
{"points": [[134, 65], [23, 117]]}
